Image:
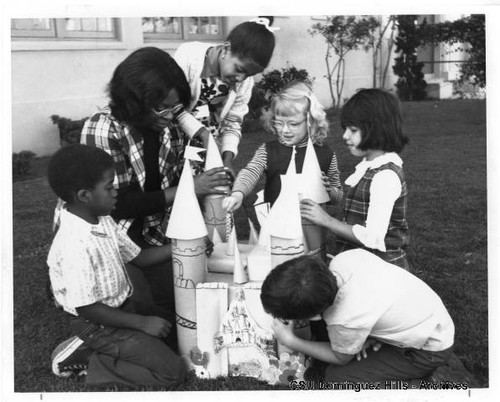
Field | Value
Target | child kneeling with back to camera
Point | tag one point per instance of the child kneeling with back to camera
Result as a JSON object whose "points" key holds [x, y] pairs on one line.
{"points": [[361, 299]]}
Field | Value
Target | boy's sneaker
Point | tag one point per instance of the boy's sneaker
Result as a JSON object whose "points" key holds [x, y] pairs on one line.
{"points": [[70, 358]]}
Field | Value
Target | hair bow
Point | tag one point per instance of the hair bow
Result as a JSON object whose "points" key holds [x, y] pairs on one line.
{"points": [[265, 22]]}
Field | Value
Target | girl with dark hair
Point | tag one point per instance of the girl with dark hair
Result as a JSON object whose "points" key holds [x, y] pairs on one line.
{"points": [[140, 131], [220, 77], [376, 198]]}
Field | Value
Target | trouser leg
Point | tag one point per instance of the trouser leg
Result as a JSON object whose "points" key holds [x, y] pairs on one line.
{"points": [[389, 363], [132, 357]]}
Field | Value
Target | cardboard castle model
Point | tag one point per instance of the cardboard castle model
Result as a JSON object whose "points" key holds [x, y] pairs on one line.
{"points": [[221, 324]]}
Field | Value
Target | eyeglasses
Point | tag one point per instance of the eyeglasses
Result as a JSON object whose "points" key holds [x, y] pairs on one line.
{"points": [[291, 125], [164, 112]]}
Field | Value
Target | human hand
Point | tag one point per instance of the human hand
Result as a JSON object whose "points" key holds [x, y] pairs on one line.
{"points": [[326, 182], [232, 202], [209, 246], [369, 343], [283, 330], [227, 160], [156, 326], [207, 182], [313, 212]]}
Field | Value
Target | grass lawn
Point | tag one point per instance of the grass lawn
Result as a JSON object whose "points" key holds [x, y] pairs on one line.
{"points": [[445, 166]]}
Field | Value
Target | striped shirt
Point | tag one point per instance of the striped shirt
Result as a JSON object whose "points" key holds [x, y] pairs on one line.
{"points": [[87, 262], [249, 176]]}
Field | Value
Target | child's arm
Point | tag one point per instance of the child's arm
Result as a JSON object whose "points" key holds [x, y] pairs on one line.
{"points": [[152, 256], [318, 350], [313, 212], [113, 317], [231, 119], [247, 179], [384, 191]]}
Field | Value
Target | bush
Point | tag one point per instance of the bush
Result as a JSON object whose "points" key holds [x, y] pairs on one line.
{"points": [[270, 84], [470, 33], [69, 130], [21, 162], [411, 84]]}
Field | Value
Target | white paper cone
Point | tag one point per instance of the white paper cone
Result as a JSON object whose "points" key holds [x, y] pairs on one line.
{"points": [[240, 273], [186, 220], [310, 183], [253, 238], [284, 217]]}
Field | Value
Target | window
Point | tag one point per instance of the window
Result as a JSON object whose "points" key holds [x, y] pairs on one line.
{"points": [[64, 28], [182, 28]]}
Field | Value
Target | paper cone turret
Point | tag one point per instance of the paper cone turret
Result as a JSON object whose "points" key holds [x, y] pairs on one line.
{"points": [[253, 237], [216, 238], [284, 218], [240, 273], [186, 220], [284, 222], [213, 158], [310, 183]]}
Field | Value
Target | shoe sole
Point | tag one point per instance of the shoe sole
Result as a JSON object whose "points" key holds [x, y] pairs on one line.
{"points": [[68, 349]]}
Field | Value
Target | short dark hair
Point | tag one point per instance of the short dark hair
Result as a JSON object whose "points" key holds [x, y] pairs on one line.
{"points": [[142, 81], [377, 113], [300, 288], [251, 40], [76, 167]]}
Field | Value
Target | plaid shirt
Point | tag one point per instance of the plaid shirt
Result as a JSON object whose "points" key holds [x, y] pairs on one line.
{"points": [[125, 145]]}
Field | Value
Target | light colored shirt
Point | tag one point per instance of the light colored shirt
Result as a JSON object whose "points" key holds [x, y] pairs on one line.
{"points": [[190, 56], [384, 191], [383, 301], [87, 262]]}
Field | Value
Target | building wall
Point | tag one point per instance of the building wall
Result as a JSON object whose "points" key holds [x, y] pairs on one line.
{"points": [[68, 78]]}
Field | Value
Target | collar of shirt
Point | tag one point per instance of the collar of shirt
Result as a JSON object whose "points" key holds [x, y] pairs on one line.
{"points": [[80, 225], [365, 165]]}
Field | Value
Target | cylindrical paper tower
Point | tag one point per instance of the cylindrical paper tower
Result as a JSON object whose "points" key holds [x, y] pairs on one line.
{"points": [[315, 241], [189, 267], [285, 249], [214, 214], [187, 230]]}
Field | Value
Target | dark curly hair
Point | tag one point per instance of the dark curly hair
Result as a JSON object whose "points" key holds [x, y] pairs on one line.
{"points": [[76, 167], [250, 40], [298, 289], [142, 81]]}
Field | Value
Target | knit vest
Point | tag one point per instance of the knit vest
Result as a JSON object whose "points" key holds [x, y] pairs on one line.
{"points": [[357, 200], [278, 159]]}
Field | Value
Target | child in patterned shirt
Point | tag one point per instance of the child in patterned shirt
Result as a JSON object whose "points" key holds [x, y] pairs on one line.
{"points": [[118, 339]]}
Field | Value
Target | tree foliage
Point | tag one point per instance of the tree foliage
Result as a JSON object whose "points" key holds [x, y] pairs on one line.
{"points": [[270, 84], [410, 84], [342, 35], [469, 31]]}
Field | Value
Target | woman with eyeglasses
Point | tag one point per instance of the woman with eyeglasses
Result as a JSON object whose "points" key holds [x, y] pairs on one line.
{"points": [[139, 128], [295, 113]]}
